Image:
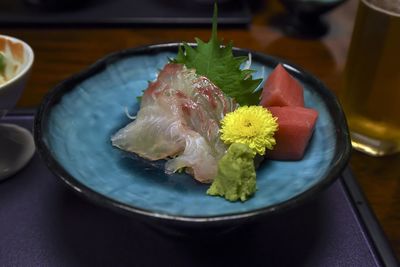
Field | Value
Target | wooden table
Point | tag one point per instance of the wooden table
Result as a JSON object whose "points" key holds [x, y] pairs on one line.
{"points": [[62, 52]]}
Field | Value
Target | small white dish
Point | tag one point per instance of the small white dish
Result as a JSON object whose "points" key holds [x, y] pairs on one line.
{"points": [[16, 143], [17, 148]]}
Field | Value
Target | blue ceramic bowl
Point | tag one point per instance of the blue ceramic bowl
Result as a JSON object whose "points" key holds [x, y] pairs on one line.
{"points": [[75, 121]]}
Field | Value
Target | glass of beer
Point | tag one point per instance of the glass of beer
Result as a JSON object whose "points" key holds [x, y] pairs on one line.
{"points": [[371, 92]]}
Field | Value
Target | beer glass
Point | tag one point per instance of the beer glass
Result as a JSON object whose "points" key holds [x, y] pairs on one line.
{"points": [[371, 92]]}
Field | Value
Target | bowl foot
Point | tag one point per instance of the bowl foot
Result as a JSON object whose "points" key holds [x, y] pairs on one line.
{"points": [[305, 27], [16, 149]]}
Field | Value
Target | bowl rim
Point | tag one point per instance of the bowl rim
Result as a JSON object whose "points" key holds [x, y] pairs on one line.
{"points": [[27, 66], [339, 161]]}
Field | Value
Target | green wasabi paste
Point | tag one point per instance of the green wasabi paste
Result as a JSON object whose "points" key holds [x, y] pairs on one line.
{"points": [[236, 177]]}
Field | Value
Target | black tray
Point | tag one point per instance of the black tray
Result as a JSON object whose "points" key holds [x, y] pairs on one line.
{"points": [[43, 223]]}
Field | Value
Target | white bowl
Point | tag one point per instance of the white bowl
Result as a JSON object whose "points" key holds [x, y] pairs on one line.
{"points": [[11, 90], [16, 143]]}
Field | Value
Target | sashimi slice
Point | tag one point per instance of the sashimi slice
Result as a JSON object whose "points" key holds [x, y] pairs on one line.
{"points": [[179, 117], [281, 89], [296, 126]]}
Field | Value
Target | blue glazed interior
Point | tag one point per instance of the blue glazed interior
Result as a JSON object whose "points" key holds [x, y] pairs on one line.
{"points": [[80, 126]]}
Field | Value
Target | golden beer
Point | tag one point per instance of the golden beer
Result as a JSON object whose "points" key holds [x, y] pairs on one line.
{"points": [[371, 93]]}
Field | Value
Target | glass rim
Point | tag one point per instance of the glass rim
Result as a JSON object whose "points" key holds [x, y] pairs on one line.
{"points": [[389, 7]]}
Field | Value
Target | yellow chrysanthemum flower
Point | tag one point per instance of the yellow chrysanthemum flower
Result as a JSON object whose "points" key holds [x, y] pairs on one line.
{"points": [[251, 125]]}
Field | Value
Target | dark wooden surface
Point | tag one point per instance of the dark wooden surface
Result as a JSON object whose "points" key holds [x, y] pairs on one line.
{"points": [[62, 52]]}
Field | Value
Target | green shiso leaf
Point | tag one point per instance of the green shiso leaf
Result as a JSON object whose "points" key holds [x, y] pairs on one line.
{"points": [[217, 62]]}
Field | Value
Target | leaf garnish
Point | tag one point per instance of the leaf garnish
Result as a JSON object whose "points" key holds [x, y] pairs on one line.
{"points": [[217, 62]]}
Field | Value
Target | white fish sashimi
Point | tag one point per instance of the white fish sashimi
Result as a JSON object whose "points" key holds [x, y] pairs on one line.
{"points": [[179, 119], [153, 135]]}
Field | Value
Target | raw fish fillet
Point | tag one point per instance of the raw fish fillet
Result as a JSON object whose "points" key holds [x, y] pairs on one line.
{"points": [[179, 120], [296, 126], [282, 89]]}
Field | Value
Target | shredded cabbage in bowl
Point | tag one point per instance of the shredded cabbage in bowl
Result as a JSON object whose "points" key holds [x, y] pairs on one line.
{"points": [[9, 65]]}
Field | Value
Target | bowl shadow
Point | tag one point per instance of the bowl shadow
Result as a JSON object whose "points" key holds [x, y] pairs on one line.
{"points": [[96, 236]]}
